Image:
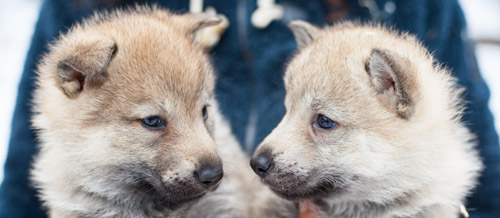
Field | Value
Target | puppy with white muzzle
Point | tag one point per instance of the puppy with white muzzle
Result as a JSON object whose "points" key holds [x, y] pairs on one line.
{"points": [[372, 128]]}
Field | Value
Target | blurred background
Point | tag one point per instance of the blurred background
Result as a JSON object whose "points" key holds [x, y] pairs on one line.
{"points": [[17, 20]]}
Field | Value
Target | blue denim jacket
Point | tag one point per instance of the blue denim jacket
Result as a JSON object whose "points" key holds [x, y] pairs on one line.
{"points": [[250, 63]]}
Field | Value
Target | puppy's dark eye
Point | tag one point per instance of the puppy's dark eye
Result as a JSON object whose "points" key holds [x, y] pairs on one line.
{"points": [[325, 123], [154, 123], [204, 113]]}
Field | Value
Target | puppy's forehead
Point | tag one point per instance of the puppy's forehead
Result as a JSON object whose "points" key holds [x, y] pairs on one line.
{"points": [[332, 68], [324, 71], [337, 53], [156, 60]]}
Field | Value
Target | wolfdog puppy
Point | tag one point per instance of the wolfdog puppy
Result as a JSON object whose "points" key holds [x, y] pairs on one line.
{"points": [[372, 128], [125, 114]]}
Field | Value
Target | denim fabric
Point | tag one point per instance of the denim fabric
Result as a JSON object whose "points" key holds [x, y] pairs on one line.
{"points": [[250, 64]]}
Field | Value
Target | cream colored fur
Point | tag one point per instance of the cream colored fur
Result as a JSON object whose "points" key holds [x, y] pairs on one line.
{"points": [[398, 148], [96, 158]]}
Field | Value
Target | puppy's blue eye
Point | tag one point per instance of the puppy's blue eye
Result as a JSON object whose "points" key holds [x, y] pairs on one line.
{"points": [[325, 122], [204, 113], [154, 123]]}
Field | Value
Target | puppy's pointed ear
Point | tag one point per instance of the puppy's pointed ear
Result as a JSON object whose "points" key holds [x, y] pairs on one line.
{"points": [[83, 62], [195, 24], [303, 32], [391, 78]]}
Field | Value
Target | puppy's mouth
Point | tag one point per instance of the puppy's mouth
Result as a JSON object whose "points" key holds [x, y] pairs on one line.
{"points": [[149, 187], [173, 203], [145, 184], [171, 197], [307, 188], [319, 191]]}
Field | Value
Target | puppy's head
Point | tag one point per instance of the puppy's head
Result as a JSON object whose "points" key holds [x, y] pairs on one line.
{"points": [[353, 111], [126, 100]]}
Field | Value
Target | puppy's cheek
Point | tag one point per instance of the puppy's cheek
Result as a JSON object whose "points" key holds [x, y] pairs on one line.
{"points": [[287, 173], [294, 163]]}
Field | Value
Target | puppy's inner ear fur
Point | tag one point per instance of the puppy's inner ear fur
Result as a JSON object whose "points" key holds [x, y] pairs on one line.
{"points": [[390, 81], [84, 67], [303, 32], [194, 23]]}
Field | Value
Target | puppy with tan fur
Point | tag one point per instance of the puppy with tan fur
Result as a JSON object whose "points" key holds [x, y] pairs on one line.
{"points": [[372, 129], [126, 117]]}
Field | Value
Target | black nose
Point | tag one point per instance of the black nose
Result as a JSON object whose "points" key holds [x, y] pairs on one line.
{"points": [[209, 175], [261, 164]]}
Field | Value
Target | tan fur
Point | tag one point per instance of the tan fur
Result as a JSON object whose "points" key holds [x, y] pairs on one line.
{"points": [[95, 85], [241, 194], [399, 148]]}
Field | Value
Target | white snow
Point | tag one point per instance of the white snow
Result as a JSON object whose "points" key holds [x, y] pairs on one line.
{"points": [[17, 20]]}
